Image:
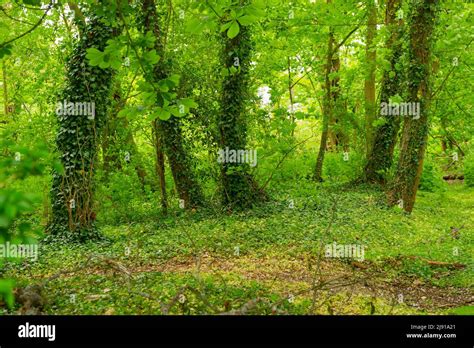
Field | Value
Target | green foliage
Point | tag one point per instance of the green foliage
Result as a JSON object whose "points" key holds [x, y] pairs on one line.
{"points": [[190, 75], [339, 170], [16, 204], [432, 177], [6, 291], [464, 310], [469, 169], [123, 200], [272, 235]]}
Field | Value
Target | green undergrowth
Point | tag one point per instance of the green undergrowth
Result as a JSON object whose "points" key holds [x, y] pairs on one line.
{"points": [[294, 226]]}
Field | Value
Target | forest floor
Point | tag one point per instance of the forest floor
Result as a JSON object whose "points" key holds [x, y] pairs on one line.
{"points": [[271, 259]]}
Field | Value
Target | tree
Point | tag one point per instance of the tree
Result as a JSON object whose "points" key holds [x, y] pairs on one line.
{"points": [[380, 158], [77, 139], [331, 105], [238, 185], [369, 83], [167, 133], [415, 129], [328, 105]]}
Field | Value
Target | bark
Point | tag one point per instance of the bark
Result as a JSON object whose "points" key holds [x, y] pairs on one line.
{"points": [[415, 130], [78, 137], [327, 109], [369, 83], [5, 89], [160, 163], [381, 156], [170, 133], [238, 185]]}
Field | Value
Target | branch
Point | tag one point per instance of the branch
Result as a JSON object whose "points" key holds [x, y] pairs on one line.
{"points": [[452, 69], [347, 36], [213, 10], [282, 159], [13, 18], [3, 44], [77, 11], [442, 83]]}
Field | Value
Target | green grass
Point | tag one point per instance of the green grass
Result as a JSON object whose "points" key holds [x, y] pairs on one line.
{"points": [[271, 253]]}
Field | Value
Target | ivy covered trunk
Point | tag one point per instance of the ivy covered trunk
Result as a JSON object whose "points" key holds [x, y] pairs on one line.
{"points": [[168, 133], [415, 129], [81, 116], [380, 158], [160, 163], [180, 163], [239, 188], [336, 133]]}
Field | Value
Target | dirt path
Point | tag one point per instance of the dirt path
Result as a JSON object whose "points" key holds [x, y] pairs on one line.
{"points": [[287, 275]]}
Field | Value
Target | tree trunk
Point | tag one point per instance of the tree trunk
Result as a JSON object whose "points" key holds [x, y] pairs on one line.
{"points": [[117, 131], [385, 139], [5, 89], [327, 109], [415, 129], [78, 138], [335, 133], [160, 163], [369, 84], [110, 157], [171, 137], [290, 93], [238, 185]]}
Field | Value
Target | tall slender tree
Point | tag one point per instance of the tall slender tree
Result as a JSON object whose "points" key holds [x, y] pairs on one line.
{"points": [[332, 109], [369, 83], [380, 158], [327, 107], [168, 134]]}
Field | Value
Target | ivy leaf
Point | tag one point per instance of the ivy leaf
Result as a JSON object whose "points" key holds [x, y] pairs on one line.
{"points": [[234, 30]]}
